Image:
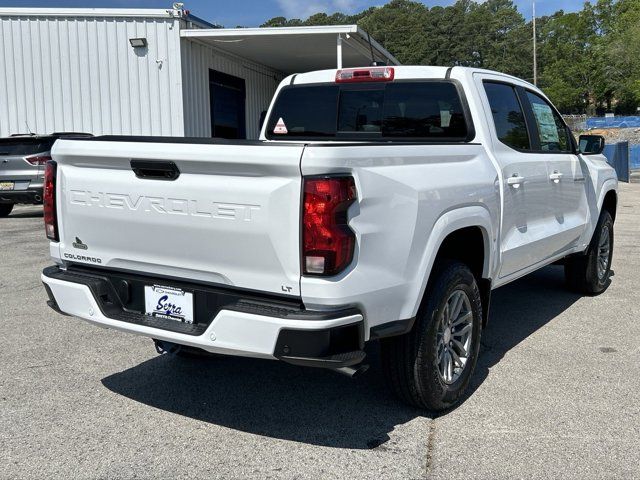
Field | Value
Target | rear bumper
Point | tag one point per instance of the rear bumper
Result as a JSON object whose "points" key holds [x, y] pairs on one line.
{"points": [[231, 325], [31, 196]]}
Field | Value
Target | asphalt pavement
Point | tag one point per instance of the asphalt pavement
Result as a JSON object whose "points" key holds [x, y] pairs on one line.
{"points": [[556, 393]]}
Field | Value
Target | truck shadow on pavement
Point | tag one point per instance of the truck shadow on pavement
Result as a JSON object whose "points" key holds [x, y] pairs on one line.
{"points": [[33, 212], [319, 407], [518, 310]]}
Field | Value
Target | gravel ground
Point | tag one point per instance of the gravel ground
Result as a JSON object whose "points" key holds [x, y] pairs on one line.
{"points": [[614, 135], [555, 394]]}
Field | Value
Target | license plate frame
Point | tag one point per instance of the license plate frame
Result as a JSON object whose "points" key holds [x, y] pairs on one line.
{"points": [[169, 303], [7, 186]]}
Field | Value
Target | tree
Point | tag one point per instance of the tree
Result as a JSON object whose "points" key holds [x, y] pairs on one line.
{"points": [[620, 48], [587, 60], [569, 83], [401, 26]]}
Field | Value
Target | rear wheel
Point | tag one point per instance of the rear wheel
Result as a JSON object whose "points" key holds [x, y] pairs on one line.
{"points": [[5, 209], [431, 366], [589, 273]]}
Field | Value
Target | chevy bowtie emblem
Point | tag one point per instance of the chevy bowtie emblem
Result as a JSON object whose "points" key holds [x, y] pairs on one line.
{"points": [[78, 244]]}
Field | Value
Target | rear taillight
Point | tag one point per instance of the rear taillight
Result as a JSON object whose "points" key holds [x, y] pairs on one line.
{"points": [[38, 159], [49, 200], [372, 74], [328, 242]]}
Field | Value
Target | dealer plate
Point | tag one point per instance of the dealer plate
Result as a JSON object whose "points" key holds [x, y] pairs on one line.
{"points": [[6, 185], [168, 302]]}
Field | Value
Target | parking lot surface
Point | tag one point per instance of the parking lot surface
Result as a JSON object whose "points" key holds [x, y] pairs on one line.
{"points": [[556, 393]]}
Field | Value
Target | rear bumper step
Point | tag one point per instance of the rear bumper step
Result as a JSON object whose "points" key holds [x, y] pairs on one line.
{"points": [[347, 359], [226, 321], [336, 347]]}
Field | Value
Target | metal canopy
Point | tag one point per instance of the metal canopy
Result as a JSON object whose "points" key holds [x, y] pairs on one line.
{"points": [[297, 49]]}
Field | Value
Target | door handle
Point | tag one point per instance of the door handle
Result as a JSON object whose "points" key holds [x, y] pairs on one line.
{"points": [[515, 180], [155, 169], [556, 177]]}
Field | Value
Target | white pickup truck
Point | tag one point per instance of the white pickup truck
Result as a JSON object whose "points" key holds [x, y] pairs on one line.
{"points": [[380, 203]]}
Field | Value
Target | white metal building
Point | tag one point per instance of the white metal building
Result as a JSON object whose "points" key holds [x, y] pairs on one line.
{"points": [[154, 72]]}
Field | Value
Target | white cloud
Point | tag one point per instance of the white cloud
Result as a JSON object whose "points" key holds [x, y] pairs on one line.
{"points": [[303, 9]]}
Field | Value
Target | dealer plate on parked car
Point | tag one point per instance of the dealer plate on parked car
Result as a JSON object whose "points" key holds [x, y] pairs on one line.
{"points": [[168, 302], [6, 185]]}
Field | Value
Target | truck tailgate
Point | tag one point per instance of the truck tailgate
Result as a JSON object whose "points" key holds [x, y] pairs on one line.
{"points": [[231, 217]]}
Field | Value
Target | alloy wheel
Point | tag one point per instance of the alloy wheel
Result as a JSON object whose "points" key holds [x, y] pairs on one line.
{"points": [[604, 249], [455, 326]]}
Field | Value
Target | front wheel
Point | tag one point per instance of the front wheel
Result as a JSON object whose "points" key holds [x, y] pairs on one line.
{"points": [[5, 209], [431, 366], [589, 273]]}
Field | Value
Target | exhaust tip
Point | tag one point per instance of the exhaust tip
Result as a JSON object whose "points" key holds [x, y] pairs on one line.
{"points": [[353, 372], [163, 347]]}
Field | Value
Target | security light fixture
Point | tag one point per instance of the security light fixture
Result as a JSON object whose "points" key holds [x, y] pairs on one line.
{"points": [[138, 42]]}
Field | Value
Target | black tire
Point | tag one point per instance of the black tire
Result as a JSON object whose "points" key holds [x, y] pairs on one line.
{"points": [[410, 361], [5, 209], [581, 271]]}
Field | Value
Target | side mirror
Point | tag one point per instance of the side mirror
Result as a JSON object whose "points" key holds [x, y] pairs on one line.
{"points": [[591, 144], [263, 117]]}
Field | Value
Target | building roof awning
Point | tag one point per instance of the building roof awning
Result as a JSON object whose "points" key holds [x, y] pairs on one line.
{"points": [[297, 49]]}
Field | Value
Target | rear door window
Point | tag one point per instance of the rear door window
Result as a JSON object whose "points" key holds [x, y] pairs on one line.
{"points": [[420, 111], [508, 116]]}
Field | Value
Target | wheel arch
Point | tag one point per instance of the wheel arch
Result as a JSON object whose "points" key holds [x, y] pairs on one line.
{"points": [[465, 234], [610, 203]]}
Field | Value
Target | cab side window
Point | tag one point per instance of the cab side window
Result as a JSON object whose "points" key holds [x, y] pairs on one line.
{"points": [[508, 116], [554, 135]]}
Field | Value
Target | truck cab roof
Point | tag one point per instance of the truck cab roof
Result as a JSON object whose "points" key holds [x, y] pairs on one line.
{"points": [[401, 72]]}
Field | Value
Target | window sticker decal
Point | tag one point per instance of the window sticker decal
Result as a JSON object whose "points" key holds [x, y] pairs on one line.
{"points": [[280, 127], [546, 123]]}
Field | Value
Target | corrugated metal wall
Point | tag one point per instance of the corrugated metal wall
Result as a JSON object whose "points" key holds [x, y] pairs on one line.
{"points": [[197, 59], [81, 74]]}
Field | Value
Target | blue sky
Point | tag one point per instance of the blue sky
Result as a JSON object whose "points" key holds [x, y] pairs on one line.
{"points": [[251, 13]]}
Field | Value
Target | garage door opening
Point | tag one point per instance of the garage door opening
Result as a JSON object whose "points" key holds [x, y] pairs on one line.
{"points": [[227, 95]]}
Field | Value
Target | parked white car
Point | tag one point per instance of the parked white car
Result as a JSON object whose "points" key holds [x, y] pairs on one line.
{"points": [[381, 203]]}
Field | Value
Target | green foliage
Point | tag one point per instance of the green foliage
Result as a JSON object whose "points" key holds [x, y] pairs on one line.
{"points": [[401, 26], [622, 55], [587, 60]]}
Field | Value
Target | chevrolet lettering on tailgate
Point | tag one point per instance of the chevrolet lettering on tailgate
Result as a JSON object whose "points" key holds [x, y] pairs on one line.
{"points": [[170, 206]]}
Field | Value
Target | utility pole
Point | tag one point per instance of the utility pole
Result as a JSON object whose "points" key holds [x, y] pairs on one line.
{"points": [[535, 57]]}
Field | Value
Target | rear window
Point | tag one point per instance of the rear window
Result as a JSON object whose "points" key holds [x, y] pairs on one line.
{"points": [[421, 111], [24, 146]]}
